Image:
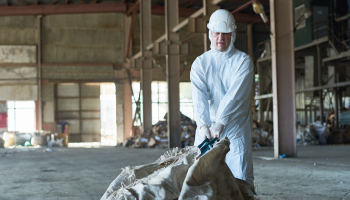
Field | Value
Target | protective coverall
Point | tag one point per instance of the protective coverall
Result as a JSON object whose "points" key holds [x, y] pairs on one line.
{"points": [[221, 85]]}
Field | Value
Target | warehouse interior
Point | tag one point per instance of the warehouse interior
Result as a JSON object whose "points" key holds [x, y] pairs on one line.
{"points": [[88, 87]]}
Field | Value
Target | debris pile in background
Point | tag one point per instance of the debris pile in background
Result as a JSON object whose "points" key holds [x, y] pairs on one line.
{"points": [[2, 142], [157, 136], [262, 134], [305, 137], [39, 138], [320, 132]]}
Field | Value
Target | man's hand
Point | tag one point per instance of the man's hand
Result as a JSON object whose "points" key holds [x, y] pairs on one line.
{"points": [[205, 132], [216, 130]]}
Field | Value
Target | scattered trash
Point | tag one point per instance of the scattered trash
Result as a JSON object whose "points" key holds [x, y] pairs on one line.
{"points": [[157, 136], [48, 150], [262, 134], [341, 182], [27, 144], [297, 166], [314, 163], [2, 142], [282, 155], [320, 132], [305, 137]]}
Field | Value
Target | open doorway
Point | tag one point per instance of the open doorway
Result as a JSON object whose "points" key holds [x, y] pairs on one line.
{"points": [[21, 116], [108, 114]]}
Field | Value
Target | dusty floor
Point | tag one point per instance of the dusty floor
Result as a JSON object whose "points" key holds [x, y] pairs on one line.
{"points": [[319, 172]]}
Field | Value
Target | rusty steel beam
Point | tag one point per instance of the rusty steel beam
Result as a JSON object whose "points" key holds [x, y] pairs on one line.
{"points": [[244, 6], [52, 3], [19, 1], [133, 8], [183, 12], [62, 9], [247, 18], [79, 8], [130, 34]]}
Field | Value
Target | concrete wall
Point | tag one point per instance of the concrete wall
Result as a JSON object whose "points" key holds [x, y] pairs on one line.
{"points": [[84, 38], [73, 48], [18, 83]]}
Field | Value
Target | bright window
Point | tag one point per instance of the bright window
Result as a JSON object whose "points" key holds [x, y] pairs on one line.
{"points": [[160, 100], [21, 116]]}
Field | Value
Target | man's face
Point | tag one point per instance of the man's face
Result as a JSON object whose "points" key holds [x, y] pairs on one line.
{"points": [[221, 41]]}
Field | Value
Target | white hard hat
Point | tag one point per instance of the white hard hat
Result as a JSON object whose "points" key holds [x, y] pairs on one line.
{"points": [[222, 21]]}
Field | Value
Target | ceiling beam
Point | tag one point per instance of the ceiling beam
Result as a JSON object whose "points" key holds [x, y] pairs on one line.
{"points": [[62, 9], [265, 2], [247, 18], [183, 12], [103, 8], [135, 6]]}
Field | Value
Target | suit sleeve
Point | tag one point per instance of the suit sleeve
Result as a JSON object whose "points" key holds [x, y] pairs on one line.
{"points": [[236, 101], [200, 95]]}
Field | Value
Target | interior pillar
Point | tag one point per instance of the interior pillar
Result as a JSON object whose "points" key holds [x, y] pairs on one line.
{"points": [[127, 109], [172, 73], [39, 103], [128, 22], [282, 46], [146, 71], [251, 54], [119, 91]]}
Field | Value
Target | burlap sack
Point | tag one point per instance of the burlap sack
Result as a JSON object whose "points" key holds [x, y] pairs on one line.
{"points": [[181, 174]]}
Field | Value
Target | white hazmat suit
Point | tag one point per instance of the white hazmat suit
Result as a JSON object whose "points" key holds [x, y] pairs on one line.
{"points": [[221, 85]]}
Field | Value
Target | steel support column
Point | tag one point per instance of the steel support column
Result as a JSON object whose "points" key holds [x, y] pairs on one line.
{"points": [[119, 91], [128, 22], [319, 75], [206, 15], [172, 73], [336, 97], [146, 71], [39, 110], [251, 54], [282, 46], [127, 109]]}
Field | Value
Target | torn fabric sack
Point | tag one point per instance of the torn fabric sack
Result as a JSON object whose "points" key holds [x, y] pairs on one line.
{"points": [[182, 174]]}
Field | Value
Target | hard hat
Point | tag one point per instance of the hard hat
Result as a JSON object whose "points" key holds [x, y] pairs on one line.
{"points": [[222, 21]]}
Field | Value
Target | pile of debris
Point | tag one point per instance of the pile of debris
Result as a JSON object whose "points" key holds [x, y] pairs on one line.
{"points": [[305, 136], [262, 134], [157, 136]]}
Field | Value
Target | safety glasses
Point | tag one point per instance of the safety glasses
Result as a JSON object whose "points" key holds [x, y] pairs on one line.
{"points": [[217, 34]]}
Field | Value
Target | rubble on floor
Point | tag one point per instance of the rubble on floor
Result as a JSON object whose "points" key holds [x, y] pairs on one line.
{"points": [[182, 174], [262, 134], [42, 138], [305, 137], [157, 136]]}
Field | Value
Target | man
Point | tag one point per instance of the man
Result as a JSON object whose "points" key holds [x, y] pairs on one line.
{"points": [[221, 83]]}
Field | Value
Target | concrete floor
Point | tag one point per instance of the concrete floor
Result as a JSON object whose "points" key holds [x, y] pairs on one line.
{"points": [[319, 172]]}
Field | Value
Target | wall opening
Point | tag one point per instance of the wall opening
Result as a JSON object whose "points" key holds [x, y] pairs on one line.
{"points": [[160, 100], [108, 114], [21, 116]]}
